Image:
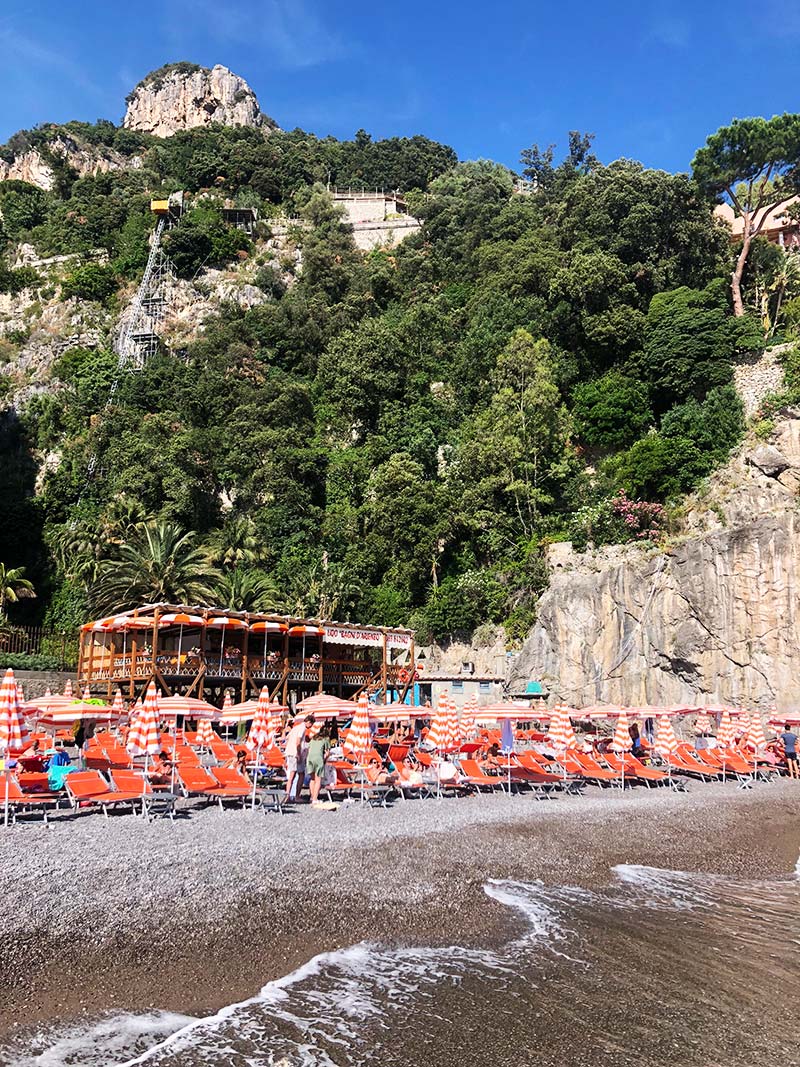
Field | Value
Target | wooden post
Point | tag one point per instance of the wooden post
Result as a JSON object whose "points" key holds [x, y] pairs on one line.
{"points": [[285, 667], [383, 669], [245, 652], [89, 669], [80, 651], [156, 615], [202, 655], [321, 663], [111, 664], [132, 667], [412, 667]]}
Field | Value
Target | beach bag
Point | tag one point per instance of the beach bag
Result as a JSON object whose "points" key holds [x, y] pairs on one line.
{"points": [[328, 776]]}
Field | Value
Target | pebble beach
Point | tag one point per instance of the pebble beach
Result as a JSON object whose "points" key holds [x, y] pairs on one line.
{"points": [[110, 914]]}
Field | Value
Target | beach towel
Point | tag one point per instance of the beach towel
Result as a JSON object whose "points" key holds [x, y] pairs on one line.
{"points": [[56, 775]]}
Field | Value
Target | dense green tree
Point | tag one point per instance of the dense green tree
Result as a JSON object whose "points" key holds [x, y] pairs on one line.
{"points": [[611, 411], [755, 164]]}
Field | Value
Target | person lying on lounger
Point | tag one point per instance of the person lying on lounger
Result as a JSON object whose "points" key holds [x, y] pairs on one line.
{"points": [[491, 761]]}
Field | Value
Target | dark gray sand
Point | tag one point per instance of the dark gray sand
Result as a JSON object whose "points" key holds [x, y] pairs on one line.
{"points": [[187, 917]]}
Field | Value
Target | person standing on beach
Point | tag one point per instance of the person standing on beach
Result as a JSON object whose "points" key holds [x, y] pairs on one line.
{"points": [[294, 753], [789, 740], [318, 749]]}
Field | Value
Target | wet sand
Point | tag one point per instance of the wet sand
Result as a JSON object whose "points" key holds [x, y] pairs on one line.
{"points": [[188, 917]]}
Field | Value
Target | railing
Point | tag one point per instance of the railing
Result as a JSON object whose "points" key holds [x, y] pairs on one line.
{"points": [[118, 666], [60, 646]]}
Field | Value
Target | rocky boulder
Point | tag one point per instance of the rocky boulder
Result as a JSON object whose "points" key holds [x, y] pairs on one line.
{"points": [[183, 96]]}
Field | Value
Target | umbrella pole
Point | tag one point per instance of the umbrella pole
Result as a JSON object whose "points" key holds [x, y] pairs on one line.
{"points": [[5, 814], [255, 776], [221, 649]]}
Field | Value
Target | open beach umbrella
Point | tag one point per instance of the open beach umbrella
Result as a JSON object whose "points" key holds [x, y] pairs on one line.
{"points": [[621, 741], [267, 627], [180, 618], [514, 710], [327, 706], [191, 707], [666, 741], [144, 738], [726, 735], [359, 736], [13, 729], [222, 622]]}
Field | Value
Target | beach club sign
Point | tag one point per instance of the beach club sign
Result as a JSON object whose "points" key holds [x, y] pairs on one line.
{"points": [[345, 635]]}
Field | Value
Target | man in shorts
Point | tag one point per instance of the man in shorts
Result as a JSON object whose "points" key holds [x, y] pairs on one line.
{"points": [[789, 739], [294, 753]]}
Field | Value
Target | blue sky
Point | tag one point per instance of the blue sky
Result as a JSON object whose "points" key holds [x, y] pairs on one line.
{"points": [[650, 79]]}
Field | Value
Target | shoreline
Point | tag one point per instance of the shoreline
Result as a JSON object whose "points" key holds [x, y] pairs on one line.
{"points": [[125, 916]]}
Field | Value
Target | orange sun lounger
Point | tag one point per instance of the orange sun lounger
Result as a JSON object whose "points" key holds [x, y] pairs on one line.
{"points": [[90, 787]]}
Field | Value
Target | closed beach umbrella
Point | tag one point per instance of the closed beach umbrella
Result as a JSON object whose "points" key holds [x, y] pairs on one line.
{"points": [[359, 736], [726, 735], [205, 733], [666, 741], [13, 729], [261, 732], [468, 713], [621, 741], [702, 724], [437, 733], [144, 738], [261, 729], [453, 733], [756, 738], [68, 689], [560, 734]]}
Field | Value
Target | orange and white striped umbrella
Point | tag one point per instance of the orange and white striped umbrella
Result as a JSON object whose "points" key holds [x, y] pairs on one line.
{"points": [[144, 738], [205, 733], [68, 689], [192, 707], [755, 734], [560, 734], [702, 724], [666, 741], [453, 733], [14, 731], [438, 731], [327, 706], [621, 741], [468, 712], [261, 729], [359, 736], [726, 734]]}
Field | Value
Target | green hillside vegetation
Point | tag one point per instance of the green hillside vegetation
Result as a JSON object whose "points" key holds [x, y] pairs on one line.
{"points": [[396, 436]]}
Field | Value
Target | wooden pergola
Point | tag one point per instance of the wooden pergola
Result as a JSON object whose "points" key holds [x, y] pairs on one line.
{"points": [[203, 651]]}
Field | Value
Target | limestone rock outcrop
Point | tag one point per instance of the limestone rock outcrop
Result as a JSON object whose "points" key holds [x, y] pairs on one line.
{"points": [[33, 165], [184, 96], [716, 617]]}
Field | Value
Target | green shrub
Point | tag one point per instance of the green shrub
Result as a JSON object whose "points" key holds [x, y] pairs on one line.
{"points": [[20, 661], [611, 411], [90, 282]]}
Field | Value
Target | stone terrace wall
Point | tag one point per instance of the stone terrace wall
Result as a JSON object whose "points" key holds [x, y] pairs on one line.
{"points": [[756, 377]]}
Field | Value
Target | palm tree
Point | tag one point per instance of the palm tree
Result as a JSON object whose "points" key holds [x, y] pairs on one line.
{"points": [[247, 590], [81, 546], [13, 586], [323, 588], [235, 544], [158, 561]]}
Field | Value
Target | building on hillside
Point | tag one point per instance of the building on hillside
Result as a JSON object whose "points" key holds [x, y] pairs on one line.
{"points": [[778, 228], [379, 220], [204, 651]]}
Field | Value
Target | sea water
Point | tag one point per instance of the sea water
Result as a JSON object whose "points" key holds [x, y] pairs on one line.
{"points": [[660, 967]]}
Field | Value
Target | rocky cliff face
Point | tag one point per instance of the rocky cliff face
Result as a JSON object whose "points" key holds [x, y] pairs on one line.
{"points": [[714, 617], [32, 166], [181, 99]]}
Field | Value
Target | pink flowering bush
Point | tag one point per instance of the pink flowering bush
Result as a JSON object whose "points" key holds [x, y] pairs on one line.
{"points": [[617, 519]]}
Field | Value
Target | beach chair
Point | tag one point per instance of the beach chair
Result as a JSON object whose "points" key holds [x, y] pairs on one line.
{"points": [[473, 774], [155, 801], [198, 782], [222, 751], [364, 782], [21, 802], [593, 771], [91, 788]]}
